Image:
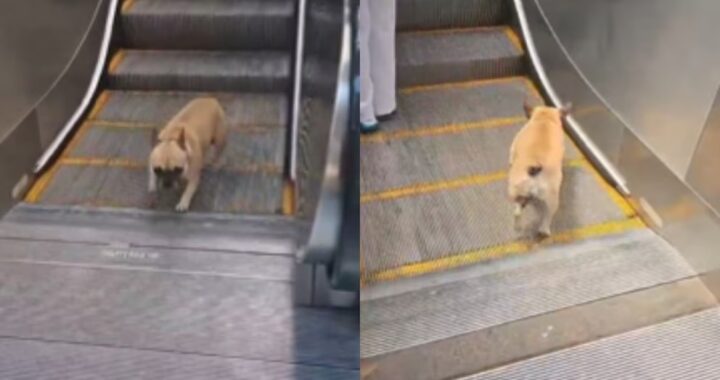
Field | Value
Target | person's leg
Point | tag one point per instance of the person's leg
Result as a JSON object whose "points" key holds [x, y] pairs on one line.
{"points": [[382, 56], [368, 121]]}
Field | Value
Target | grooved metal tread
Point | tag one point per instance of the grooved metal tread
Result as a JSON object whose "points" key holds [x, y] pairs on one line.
{"points": [[106, 164], [440, 14], [473, 219], [457, 55], [61, 361], [208, 24], [446, 133], [499, 292], [164, 300], [176, 70], [682, 348]]}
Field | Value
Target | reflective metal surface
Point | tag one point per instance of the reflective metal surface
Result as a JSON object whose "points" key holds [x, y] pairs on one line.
{"points": [[643, 81], [652, 62], [22, 143], [37, 40]]}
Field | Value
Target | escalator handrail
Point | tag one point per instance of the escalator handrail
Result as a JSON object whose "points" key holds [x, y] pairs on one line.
{"points": [[324, 239], [612, 174], [53, 149], [297, 90]]}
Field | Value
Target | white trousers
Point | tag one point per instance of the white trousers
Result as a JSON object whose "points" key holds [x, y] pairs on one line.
{"points": [[376, 29]]}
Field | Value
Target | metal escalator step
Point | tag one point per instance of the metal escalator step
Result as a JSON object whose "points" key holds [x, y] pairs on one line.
{"points": [[497, 293], [457, 55], [159, 310], [175, 70], [454, 220], [158, 107], [448, 156], [682, 348], [439, 14], [209, 24], [263, 147], [61, 361], [108, 185], [461, 103]]}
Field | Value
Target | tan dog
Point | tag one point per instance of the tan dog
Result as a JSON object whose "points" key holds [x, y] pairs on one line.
{"points": [[536, 159], [181, 146]]}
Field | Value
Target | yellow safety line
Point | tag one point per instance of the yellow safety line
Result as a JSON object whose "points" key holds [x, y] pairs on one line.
{"points": [[288, 202], [99, 104], [248, 128], [127, 4], [132, 164], [469, 29], [501, 251], [116, 61], [433, 187], [385, 136], [464, 84], [514, 39], [622, 203]]}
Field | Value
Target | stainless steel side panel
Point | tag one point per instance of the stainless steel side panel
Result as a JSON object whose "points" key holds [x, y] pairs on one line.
{"points": [[643, 78]]}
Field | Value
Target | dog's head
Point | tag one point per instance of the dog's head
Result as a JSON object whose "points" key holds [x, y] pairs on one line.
{"points": [[169, 158], [538, 111]]}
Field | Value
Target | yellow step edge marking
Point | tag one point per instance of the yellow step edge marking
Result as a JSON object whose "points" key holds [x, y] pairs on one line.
{"points": [[385, 136], [249, 128], [514, 38], [132, 164], [127, 4], [501, 251], [288, 201], [116, 60], [469, 29], [533, 89], [433, 187], [464, 84], [623, 204], [40, 186], [99, 104]]}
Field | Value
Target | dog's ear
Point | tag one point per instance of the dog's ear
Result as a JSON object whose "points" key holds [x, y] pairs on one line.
{"points": [[181, 138], [566, 109], [528, 108]]}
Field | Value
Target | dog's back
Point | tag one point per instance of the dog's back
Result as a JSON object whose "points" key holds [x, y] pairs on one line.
{"points": [[537, 154]]}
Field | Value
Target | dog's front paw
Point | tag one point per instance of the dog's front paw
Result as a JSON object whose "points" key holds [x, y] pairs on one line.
{"points": [[182, 206], [152, 187]]}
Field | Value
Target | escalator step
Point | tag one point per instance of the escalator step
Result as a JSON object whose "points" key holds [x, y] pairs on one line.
{"points": [[439, 14], [245, 147], [469, 217], [246, 71], [157, 107], [457, 55], [209, 24], [106, 185]]}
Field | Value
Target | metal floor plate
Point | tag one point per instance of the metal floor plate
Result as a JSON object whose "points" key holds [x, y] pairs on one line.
{"points": [[683, 348], [31, 360], [452, 222], [551, 279]]}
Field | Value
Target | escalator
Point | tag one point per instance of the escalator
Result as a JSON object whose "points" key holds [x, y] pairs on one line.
{"points": [[102, 280], [449, 289]]}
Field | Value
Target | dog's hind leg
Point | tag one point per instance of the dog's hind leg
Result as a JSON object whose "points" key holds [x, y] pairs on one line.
{"points": [[152, 179], [550, 207], [219, 141]]}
